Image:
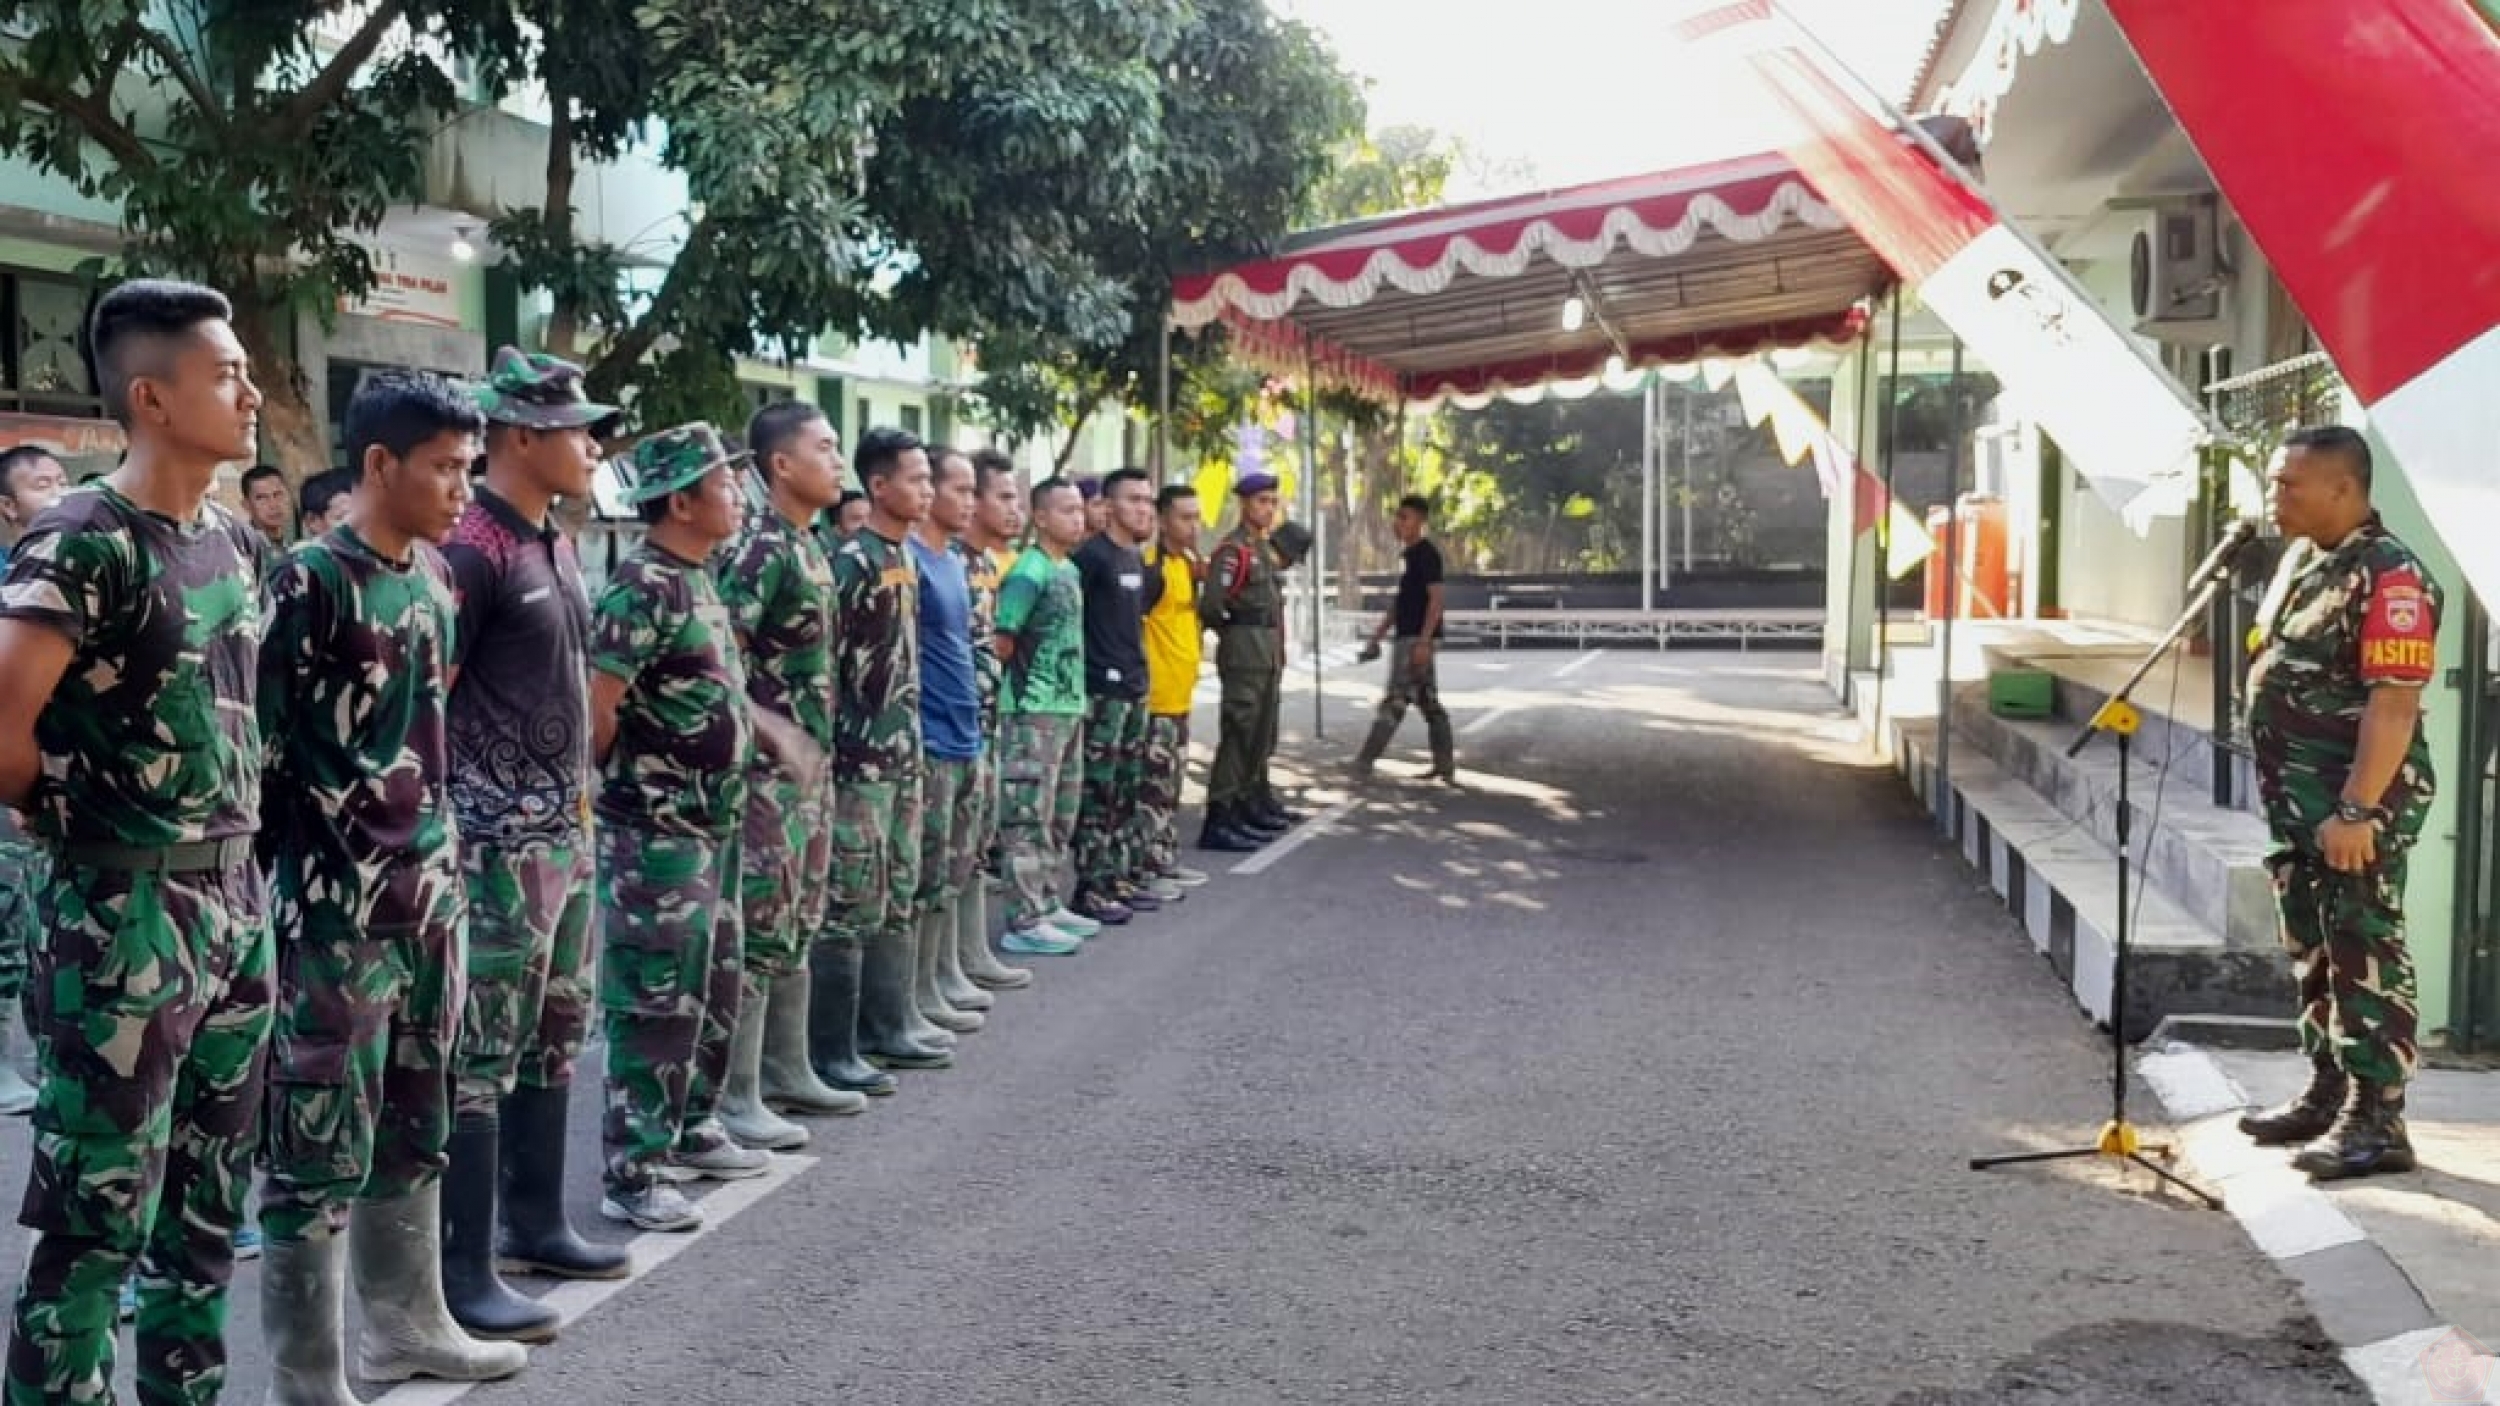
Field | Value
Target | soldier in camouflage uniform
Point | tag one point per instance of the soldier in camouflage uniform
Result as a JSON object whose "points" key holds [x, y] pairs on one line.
{"points": [[997, 518], [1244, 604], [130, 624], [369, 912], [877, 761], [2344, 772], [952, 746], [670, 726], [30, 481], [519, 721], [1109, 853], [1041, 636], [778, 584]]}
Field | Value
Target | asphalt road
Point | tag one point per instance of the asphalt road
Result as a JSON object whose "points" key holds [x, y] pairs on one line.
{"points": [[1644, 1069]]}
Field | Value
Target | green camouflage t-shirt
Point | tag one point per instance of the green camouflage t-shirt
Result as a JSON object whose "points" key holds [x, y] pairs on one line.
{"points": [[683, 741], [150, 739], [876, 610], [988, 670], [1042, 604], [779, 590], [353, 677]]}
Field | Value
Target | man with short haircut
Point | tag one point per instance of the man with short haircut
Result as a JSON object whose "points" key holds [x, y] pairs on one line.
{"points": [[1174, 639], [1415, 617], [521, 778], [1112, 573], [365, 874], [31, 480], [951, 743], [1244, 604], [850, 514], [1041, 637], [987, 547], [130, 625], [328, 497], [778, 583], [271, 507], [670, 727], [2344, 772]]}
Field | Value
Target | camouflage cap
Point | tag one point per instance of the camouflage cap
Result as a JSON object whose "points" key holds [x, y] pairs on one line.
{"points": [[673, 461], [537, 392]]}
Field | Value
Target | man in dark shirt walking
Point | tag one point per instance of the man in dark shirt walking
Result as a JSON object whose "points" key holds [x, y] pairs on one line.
{"points": [[1416, 617], [1113, 574]]}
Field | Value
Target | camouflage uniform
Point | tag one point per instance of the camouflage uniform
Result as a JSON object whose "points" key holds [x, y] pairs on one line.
{"points": [[671, 808], [1041, 782], [2360, 616], [151, 990], [366, 881], [983, 572], [877, 761], [1245, 606], [22, 866], [1109, 853]]}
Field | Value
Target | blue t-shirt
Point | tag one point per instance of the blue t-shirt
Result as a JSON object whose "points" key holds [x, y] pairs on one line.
{"points": [[950, 691]]}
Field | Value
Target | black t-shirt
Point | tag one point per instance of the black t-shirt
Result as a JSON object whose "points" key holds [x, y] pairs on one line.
{"points": [[1423, 571], [1114, 578]]}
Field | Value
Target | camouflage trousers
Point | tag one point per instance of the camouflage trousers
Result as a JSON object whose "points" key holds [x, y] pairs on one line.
{"points": [[151, 1007], [22, 868], [954, 819], [1159, 795], [667, 994], [784, 874], [1040, 787], [876, 859], [1107, 829], [531, 969], [1421, 690], [360, 1070], [2346, 934]]}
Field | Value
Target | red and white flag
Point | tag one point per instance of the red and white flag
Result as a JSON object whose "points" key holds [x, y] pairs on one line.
{"points": [[2360, 144], [2125, 423]]}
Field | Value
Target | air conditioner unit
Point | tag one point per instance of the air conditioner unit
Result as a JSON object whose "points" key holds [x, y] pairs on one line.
{"points": [[2178, 275]]}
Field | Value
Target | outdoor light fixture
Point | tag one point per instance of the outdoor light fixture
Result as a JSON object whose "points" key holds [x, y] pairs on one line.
{"points": [[1575, 313], [1614, 368], [461, 249]]}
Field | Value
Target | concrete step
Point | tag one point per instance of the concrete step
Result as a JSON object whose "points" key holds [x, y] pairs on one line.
{"points": [[2061, 882], [2208, 860], [2190, 747]]}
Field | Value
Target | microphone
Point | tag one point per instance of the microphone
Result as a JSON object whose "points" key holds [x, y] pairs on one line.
{"points": [[2235, 540]]}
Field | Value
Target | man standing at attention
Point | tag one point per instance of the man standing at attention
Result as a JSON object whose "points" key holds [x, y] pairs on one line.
{"points": [[1041, 637], [1112, 573], [1244, 603], [2344, 771], [365, 873], [130, 625], [30, 481], [1415, 616], [987, 547], [670, 727], [520, 786], [950, 728], [1174, 641]]}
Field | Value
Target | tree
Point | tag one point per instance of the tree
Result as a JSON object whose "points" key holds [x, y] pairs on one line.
{"points": [[243, 151]]}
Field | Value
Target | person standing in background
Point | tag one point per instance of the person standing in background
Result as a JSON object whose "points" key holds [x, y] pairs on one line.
{"points": [[31, 480], [1415, 618], [271, 506]]}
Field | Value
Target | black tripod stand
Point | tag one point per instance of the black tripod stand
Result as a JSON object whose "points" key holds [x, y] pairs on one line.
{"points": [[2119, 1139]]}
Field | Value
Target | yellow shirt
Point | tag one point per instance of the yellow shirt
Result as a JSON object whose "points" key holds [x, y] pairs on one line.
{"points": [[1173, 640]]}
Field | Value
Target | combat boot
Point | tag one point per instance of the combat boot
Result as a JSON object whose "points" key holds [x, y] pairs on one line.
{"points": [[1260, 819], [1221, 836], [742, 1109], [2305, 1115], [537, 1238], [303, 1315], [789, 1081], [17, 1096], [478, 1298], [2368, 1137], [395, 1247], [885, 1008], [972, 945], [833, 970], [936, 936]]}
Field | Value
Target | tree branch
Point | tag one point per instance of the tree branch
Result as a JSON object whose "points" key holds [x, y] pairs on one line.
{"points": [[94, 115], [625, 353], [162, 47], [331, 83]]}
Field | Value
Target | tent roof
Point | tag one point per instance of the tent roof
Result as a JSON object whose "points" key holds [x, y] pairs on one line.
{"points": [[1724, 259]]}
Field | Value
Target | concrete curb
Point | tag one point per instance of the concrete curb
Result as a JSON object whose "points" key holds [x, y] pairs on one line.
{"points": [[2362, 1297]]}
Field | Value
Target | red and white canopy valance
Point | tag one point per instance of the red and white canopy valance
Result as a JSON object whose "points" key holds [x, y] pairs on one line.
{"points": [[1719, 260]]}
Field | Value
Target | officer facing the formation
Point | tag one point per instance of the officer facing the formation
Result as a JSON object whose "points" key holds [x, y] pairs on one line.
{"points": [[365, 875], [520, 786], [670, 726], [1243, 602], [2344, 771], [130, 624], [30, 481], [778, 584]]}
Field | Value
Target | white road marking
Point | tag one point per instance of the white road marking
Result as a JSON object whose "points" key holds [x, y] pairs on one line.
{"points": [[1480, 722], [1484, 720], [1576, 665], [1302, 834]]}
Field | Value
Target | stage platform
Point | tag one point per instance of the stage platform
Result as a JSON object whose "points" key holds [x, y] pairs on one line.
{"points": [[1660, 628]]}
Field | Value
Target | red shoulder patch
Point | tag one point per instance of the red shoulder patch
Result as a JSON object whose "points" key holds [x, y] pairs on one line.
{"points": [[2399, 631]]}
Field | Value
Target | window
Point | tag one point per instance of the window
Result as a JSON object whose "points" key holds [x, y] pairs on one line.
{"points": [[43, 365], [867, 418], [912, 420]]}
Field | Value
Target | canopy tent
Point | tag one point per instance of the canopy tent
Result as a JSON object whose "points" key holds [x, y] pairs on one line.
{"points": [[1720, 260]]}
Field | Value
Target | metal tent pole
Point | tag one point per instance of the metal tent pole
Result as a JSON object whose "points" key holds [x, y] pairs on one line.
{"points": [[1649, 493], [1952, 595], [1891, 392], [1310, 500]]}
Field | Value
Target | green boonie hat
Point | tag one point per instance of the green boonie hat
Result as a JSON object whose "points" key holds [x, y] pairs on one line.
{"points": [[537, 392], [673, 461]]}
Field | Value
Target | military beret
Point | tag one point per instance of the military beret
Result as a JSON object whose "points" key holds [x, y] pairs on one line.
{"points": [[1250, 484]]}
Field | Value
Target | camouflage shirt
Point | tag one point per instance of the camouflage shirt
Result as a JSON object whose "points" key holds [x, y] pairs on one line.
{"points": [[353, 680], [989, 671], [2363, 615], [150, 738], [683, 741], [779, 590], [876, 608]]}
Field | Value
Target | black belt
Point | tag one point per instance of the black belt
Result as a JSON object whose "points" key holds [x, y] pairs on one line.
{"points": [[1256, 622], [196, 857]]}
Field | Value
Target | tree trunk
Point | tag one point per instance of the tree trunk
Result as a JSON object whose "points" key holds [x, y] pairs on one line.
{"points": [[1076, 430], [565, 321], [290, 432]]}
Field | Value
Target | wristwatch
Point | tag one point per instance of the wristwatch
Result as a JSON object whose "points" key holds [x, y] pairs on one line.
{"points": [[2355, 813]]}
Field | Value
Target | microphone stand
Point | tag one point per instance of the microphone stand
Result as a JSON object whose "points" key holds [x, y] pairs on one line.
{"points": [[2119, 1139]]}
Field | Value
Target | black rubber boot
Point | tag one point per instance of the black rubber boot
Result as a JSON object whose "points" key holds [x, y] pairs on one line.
{"points": [[1222, 836], [886, 1013], [2368, 1137], [2307, 1114], [1252, 819], [537, 1239], [833, 1021], [479, 1300]]}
